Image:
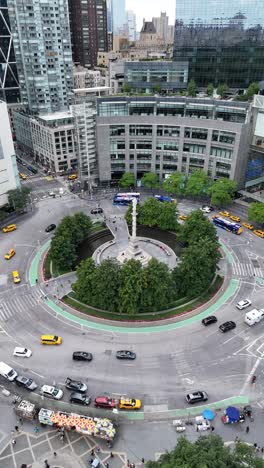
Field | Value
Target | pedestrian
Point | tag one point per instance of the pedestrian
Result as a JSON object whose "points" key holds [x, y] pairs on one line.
{"points": [[212, 428], [143, 460], [54, 454], [236, 439], [128, 463], [107, 465], [13, 442], [255, 445], [98, 450], [36, 429], [17, 428], [92, 452], [46, 464], [247, 429], [111, 455], [21, 421], [258, 449], [262, 450]]}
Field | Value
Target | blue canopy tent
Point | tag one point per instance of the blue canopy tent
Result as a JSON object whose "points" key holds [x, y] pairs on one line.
{"points": [[233, 414], [208, 414]]}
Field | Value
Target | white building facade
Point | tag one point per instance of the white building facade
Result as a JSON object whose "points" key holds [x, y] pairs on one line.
{"points": [[9, 178]]}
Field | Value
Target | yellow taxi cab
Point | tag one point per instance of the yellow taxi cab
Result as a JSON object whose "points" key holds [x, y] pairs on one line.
{"points": [[224, 213], [235, 218], [50, 339], [10, 254], [248, 226], [16, 277], [129, 403], [9, 228], [22, 176], [259, 233], [183, 217], [72, 177]]}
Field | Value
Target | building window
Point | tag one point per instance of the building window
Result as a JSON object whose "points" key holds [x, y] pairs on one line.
{"points": [[223, 137], [189, 148], [117, 130], [221, 153], [140, 130], [196, 133]]}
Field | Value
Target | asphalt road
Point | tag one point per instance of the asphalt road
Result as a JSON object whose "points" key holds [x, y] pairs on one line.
{"points": [[168, 365]]}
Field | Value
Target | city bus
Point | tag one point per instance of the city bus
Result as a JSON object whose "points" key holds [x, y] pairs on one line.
{"points": [[162, 198], [235, 228], [123, 201], [128, 195]]}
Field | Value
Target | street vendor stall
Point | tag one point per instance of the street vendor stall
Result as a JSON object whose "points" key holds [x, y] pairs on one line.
{"points": [[232, 415]]}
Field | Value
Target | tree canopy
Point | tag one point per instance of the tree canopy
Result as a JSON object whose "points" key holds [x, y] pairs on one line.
{"points": [[70, 233], [210, 89], [222, 89], [197, 183], [222, 192], [174, 183], [197, 226], [150, 180], [208, 452], [154, 213], [127, 180], [256, 212], [192, 88], [18, 199]]}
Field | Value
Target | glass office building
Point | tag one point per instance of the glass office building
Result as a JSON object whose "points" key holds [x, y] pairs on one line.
{"points": [[222, 40]]}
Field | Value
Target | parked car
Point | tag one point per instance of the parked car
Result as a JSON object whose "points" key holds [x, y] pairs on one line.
{"points": [[80, 398], [230, 325], [196, 397], [82, 356], [105, 402], [10, 254], [26, 382], [129, 404], [51, 392], [50, 227], [243, 304], [22, 352], [209, 320], [125, 354], [75, 385]]}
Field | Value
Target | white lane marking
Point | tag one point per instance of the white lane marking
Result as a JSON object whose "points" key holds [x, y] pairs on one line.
{"points": [[234, 336], [250, 375], [39, 375]]}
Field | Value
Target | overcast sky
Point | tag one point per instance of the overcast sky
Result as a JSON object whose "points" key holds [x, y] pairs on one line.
{"points": [[149, 8]]}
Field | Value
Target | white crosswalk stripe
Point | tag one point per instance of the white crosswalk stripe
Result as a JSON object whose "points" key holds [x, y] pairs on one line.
{"points": [[18, 304], [246, 269]]}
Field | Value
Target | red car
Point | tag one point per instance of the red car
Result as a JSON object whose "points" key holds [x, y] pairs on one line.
{"points": [[105, 402]]}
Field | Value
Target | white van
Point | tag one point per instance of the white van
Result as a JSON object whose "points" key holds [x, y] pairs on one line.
{"points": [[254, 316], [7, 372]]}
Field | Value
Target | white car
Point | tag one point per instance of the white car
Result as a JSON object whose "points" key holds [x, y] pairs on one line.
{"points": [[51, 392], [22, 352], [206, 209], [243, 304]]}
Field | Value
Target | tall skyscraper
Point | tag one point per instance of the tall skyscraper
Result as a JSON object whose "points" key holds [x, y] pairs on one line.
{"points": [[88, 23], [223, 41], [131, 25], [41, 38], [118, 15], [161, 25], [9, 84], [109, 16]]}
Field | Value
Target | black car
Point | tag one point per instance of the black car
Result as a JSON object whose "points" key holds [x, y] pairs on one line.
{"points": [[80, 398], [97, 211], [209, 320], [75, 385], [196, 397], [26, 382], [227, 326], [51, 227], [125, 355], [82, 356]]}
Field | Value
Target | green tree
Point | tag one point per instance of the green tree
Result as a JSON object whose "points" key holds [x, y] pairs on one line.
{"points": [[157, 88], [107, 284], [130, 287], [256, 212], [222, 89], [252, 89], [192, 88], [197, 183], [84, 285], [167, 218], [126, 88], [197, 267], [150, 212], [63, 253], [127, 180], [159, 289], [82, 226], [208, 452], [150, 180], [197, 226], [18, 199], [174, 183], [222, 192], [210, 89]]}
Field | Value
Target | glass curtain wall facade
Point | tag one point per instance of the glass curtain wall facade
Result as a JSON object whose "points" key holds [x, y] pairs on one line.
{"points": [[222, 40], [9, 84]]}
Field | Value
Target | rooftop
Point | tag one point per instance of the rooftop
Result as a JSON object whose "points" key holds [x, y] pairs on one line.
{"points": [[148, 28], [56, 116]]}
